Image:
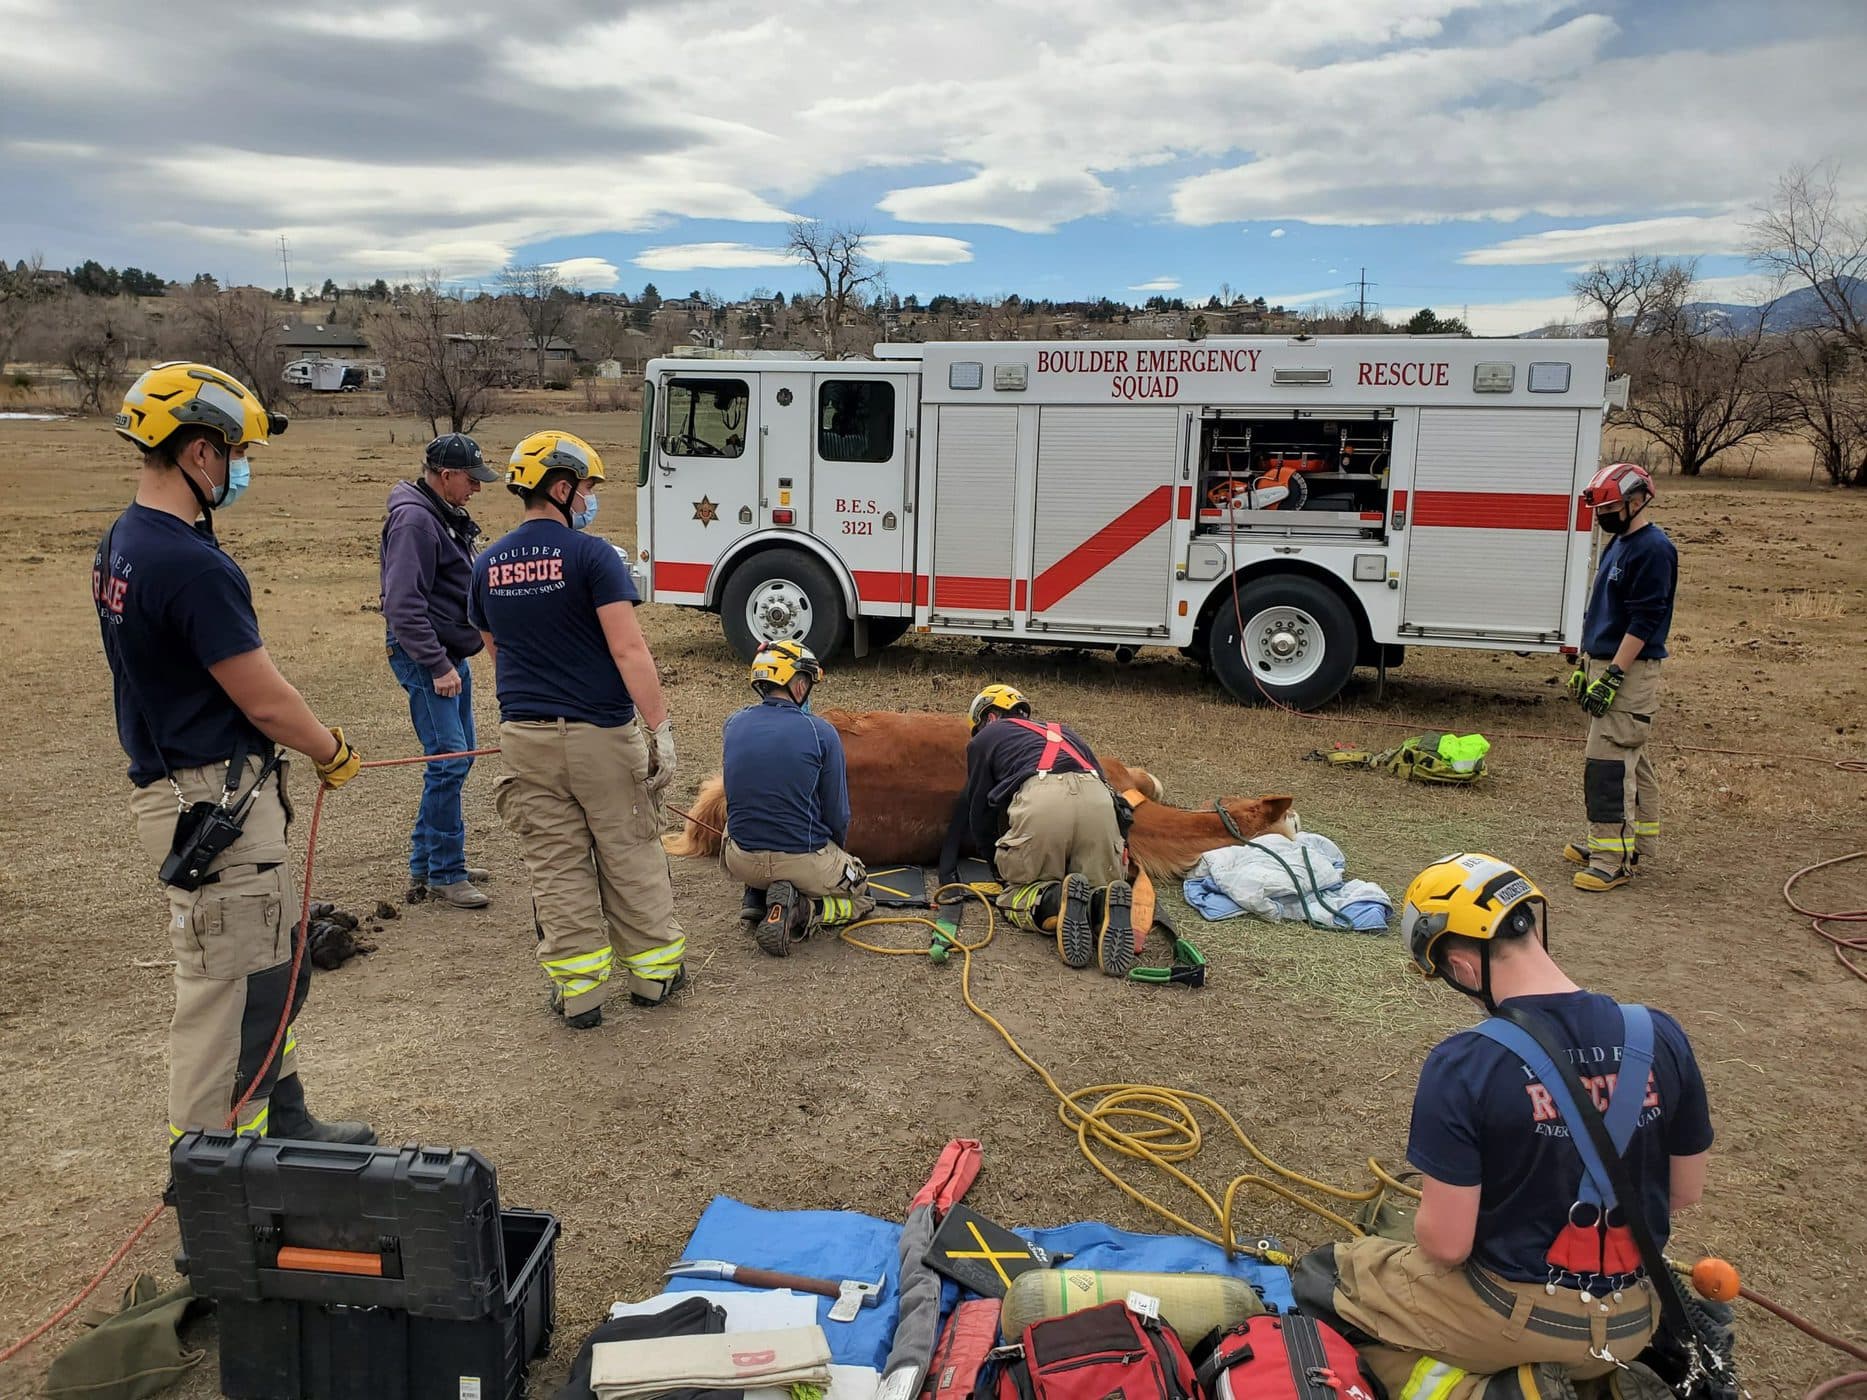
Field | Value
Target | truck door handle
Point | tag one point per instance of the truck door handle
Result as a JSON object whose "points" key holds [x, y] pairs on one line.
{"points": [[667, 469]]}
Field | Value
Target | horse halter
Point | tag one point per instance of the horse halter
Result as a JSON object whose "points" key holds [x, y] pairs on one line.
{"points": [[1218, 805]]}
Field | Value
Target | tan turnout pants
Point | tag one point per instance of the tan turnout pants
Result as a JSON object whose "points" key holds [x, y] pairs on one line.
{"points": [[232, 940], [1449, 1333], [830, 870], [575, 797], [1059, 824], [1619, 785]]}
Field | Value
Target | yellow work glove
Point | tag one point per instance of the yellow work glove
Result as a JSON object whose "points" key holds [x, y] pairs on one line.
{"points": [[344, 765], [660, 758], [1578, 682]]}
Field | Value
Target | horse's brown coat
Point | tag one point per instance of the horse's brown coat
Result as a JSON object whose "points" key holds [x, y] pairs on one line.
{"points": [[906, 770]]}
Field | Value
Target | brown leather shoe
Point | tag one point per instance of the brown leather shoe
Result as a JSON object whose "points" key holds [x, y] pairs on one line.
{"points": [[462, 894]]}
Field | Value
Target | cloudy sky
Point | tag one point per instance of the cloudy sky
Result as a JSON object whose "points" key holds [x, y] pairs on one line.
{"points": [[1468, 153]]}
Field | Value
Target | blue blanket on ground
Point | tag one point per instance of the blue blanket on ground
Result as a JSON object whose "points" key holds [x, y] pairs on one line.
{"points": [[839, 1244]]}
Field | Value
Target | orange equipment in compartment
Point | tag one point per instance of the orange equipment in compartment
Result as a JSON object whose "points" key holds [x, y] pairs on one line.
{"points": [[1278, 484]]}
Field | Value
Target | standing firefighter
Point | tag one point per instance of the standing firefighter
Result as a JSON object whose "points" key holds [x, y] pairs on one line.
{"points": [[427, 567], [1630, 614], [1036, 799], [788, 792], [199, 708], [585, 735]]}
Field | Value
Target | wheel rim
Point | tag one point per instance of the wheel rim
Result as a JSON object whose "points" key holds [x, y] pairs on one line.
{"points": [[778, 611], [1283, 645]]}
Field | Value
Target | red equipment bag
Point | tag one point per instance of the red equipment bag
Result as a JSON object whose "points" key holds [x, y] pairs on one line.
{"points": [[971, 1335], [1098, 1353], [1286, 1356]]}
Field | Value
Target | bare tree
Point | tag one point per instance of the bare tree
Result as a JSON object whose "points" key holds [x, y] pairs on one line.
{"points": [[1825, 390], [444, 357], [1805, 235], [544, 303], [1699, 388], [94, 338], [237, 331], [836, 255], [20, 289], [1617, 295]]}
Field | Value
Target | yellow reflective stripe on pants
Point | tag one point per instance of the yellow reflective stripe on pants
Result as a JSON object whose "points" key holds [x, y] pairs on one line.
{"points": [[658, 964], [1432, 1379], [291, 1040], [579, 973], [258, 1124], [1619, 844], [1646, 828]]}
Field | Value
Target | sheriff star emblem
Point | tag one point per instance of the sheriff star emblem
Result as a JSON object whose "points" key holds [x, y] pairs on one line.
{"points": [[706, 511]]}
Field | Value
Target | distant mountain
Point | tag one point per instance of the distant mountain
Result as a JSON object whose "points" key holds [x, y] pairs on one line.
{"points": [[1795, 311]]}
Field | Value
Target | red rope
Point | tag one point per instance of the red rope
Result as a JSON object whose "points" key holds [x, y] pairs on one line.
{"points": [[1842, 943]]}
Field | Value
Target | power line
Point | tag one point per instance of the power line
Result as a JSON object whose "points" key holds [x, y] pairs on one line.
{"points": [[285, 260]]}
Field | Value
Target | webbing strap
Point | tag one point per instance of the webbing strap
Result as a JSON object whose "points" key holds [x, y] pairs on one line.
{"points": [[1054, 744], [1623, 1114]]}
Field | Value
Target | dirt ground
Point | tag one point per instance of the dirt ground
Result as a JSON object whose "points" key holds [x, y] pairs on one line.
{"points": [[833, 1078]]}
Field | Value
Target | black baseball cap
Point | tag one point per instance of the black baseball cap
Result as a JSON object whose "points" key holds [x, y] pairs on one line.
{"points": [[460, 453]]}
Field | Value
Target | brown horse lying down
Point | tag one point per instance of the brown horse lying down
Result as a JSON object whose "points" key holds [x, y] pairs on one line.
{"points": [[907, 770]]}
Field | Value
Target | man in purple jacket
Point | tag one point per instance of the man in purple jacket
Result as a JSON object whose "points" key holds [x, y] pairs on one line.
{"points": [[427, 567]]}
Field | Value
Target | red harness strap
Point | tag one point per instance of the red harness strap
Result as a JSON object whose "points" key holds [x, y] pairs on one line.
{"points": [[1054, 744]]}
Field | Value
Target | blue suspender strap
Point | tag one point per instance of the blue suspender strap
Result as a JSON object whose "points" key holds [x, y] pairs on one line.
{"points": [[1520, 1043], [1630, 1087]]}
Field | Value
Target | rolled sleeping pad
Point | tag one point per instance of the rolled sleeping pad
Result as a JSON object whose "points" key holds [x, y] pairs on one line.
{"points": [[1193, 1304]]}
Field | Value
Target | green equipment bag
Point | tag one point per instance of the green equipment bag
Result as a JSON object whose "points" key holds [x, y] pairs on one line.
{"points": [[1425, 758], [134, 1352]]}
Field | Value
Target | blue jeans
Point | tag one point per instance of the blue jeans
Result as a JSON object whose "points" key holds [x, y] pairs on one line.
{"points": [[437, 853]]}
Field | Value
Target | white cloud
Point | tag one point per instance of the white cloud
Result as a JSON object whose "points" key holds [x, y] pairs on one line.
{"points": [[1678, 235], [1277, 233], [591, 274], [1499, 317], [679, 257], [1158, 284], [1305, 298], [1028, 204], [934, 250]]}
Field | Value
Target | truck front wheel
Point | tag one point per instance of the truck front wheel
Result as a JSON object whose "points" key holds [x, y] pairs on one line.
{"points": [[1296, 646], [780, 595]]}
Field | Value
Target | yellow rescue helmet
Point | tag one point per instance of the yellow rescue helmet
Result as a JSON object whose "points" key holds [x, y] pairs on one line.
{"points": [[182, 394], [542, 453], [1468, 896], [779, 663], [995, 697]]}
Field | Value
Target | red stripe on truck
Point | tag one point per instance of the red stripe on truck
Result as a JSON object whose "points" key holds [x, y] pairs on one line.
{"points": [[675, 577], [1101, 549], [881, 585], [960, 591], [1492, 510]]}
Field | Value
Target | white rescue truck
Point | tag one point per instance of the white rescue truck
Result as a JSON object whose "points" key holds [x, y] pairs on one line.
{"points": [[1280, 509]]}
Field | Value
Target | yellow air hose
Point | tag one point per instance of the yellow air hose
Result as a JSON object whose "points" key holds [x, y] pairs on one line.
{"points": [[1145, 1122]]}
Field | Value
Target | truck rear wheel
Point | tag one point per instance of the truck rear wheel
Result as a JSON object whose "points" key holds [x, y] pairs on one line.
{"points": [[783, 595], [886, 631], [1296, 648]]}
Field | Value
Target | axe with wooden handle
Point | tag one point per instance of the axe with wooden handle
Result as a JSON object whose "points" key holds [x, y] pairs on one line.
{"points": [[851, 1294]]}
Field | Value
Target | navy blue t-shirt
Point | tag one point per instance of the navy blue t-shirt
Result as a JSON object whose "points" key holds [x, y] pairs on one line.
{"points": [[1480, 1119], [537, 590], [170, 604], [1633, 592], [786, 785]]}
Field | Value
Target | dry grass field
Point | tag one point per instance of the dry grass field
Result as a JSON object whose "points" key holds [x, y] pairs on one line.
{"points": [[831, 1079]]}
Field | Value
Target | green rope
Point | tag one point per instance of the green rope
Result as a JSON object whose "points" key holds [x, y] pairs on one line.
{"points": [[1315, 887]]}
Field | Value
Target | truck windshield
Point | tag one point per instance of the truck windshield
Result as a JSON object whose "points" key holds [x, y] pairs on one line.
{"points": [[706, 418]]}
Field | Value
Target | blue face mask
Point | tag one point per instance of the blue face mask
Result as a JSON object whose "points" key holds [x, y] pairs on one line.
{"points": [[580, 519], [239, 477]]}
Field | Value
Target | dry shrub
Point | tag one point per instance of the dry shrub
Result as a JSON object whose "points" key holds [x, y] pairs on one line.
{"points": [[1809, 605]]}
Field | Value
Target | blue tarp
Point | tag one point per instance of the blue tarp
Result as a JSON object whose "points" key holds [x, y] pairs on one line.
{"points": [[838, 1244]]}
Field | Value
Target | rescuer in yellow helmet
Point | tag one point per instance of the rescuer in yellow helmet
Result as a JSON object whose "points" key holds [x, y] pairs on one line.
{"points": [[584, 735], [787, 800], [1522, 1277], [201, 711]]}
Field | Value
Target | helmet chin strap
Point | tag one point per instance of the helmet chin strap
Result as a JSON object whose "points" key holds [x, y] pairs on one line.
{"points": [[1482, 992]]}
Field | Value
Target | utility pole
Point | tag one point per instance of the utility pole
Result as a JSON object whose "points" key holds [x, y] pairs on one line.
{"points": [[1361, 313], [285, 259]]}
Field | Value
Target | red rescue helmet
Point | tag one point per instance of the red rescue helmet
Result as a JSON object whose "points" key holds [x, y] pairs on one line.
{"points": [[1615, 483]]}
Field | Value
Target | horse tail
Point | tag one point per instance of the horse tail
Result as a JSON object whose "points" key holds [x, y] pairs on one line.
{"points": [[705, 820]]}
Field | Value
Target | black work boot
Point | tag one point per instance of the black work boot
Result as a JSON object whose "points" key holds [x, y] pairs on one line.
{"points": [[1113, 929], [787, 915], [751, 908], [668, 989], [583, 1020], [289, 1118], [1076, 940]]}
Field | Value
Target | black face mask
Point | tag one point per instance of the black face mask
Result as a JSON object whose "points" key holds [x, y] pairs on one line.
{"points": [[1613, 524]]}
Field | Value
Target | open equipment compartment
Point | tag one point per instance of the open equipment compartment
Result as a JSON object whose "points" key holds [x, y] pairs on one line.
{"points": [[1294, 471]]}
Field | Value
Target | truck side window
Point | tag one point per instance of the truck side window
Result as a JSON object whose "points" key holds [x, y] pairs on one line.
{"points": [[856, 420], [706, 418]]}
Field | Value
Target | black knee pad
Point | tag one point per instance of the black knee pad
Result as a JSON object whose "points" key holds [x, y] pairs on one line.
{"points": [[1604, 789]]}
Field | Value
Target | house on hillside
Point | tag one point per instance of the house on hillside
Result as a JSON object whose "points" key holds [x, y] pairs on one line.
{"points": [[323, 343], [560, 358]]}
